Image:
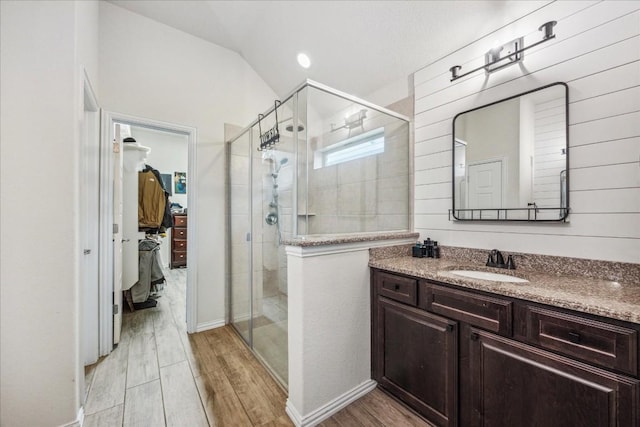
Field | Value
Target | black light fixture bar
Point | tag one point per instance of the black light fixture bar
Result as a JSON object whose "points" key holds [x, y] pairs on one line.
{"points": [[548, 35]]}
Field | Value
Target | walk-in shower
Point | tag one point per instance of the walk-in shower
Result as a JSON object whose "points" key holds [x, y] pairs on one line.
{"points": [[340, 165]]}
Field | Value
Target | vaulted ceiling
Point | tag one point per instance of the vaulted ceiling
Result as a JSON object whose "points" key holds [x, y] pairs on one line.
{"points": [[355, 46]]}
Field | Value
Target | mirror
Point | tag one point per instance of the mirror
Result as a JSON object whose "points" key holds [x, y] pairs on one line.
{"points": [[510, 158]]}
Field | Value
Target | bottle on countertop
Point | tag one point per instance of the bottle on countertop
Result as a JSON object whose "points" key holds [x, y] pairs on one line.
{"points": [[436, 250], [416, 251], [427, 247]]}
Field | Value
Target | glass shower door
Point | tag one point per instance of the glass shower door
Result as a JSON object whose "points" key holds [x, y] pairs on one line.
{"points": [[263, 194], [273, 189], [240, 242]]}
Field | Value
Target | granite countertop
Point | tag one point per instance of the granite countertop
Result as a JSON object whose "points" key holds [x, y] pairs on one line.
{"points": [[337, 239], [605, 298]]}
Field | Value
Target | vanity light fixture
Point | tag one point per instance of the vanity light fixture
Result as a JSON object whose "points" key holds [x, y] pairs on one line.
{"points": [[352, 121], [514, 53]]}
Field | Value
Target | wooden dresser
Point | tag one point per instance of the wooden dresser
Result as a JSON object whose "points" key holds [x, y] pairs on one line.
{"points": [[179, 241]]}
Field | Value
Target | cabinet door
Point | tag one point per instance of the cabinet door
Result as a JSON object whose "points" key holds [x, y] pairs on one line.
{"points": [[513, 384], [416, 359]]}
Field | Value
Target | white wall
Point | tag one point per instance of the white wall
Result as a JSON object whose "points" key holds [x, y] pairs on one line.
{"points": [[43, 46], [597, 53], [148, 69]]}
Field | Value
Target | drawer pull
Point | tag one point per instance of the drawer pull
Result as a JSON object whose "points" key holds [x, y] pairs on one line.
{"points": [[397, 287], [574, 337]]}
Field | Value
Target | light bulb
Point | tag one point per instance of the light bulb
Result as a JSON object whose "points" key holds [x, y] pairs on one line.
{"points": [[304, 60]]}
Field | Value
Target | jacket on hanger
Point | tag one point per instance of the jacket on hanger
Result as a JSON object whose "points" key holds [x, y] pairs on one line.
{"points": [[151, 200], [167, 221]]}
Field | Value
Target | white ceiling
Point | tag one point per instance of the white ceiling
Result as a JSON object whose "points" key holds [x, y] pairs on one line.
{"points": [[355, 46]]}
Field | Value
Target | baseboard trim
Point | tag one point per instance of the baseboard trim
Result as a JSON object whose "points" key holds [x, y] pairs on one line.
{"points": [[201, 327], [79, 420], [331, 408]]}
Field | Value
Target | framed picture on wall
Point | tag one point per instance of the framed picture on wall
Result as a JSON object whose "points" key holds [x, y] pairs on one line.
{"points": [[180, 182]]}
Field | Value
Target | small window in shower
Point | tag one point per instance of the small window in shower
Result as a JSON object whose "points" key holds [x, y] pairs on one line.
{"points": [[364, 145]]}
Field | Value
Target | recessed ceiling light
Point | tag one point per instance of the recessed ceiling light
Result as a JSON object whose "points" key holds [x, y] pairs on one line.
{"points": [[304, 60]]}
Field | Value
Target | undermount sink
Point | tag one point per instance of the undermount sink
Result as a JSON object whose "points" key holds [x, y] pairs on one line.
{"points": [[486, 275]]}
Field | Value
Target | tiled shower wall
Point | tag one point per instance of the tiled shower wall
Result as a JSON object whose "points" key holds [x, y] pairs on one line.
{"points": [[597, 53], [367, 194]]}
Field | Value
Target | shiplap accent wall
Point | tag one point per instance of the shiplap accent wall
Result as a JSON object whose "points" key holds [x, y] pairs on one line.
{"points": [[549, 160], [597, 53]]}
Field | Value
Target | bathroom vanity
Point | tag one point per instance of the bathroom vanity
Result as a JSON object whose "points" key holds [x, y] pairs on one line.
{"points": [[554, 351]]}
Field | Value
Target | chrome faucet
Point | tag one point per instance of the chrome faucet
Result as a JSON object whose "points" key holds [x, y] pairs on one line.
{"points": [[497, 260]]}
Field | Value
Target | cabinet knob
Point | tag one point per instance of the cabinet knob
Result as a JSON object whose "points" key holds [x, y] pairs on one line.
{"points": [[474, 336], [397, 287], [449, 328]]}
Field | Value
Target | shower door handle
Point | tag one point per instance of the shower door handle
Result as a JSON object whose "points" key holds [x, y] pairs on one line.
{"points": [[248, 237]]}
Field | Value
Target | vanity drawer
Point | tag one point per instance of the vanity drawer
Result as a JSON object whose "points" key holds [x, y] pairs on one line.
{"points": [[398, 288], [609, 346], [492, 314]]}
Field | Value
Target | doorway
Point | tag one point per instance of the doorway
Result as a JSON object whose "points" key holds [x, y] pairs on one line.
{"points": [[169, 156], [154, 131], [485, 186]]}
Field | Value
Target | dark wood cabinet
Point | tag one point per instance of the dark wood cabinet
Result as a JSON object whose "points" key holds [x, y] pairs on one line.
{"points": [[462, 357], [179, 241], [493, 314], [598, 343], [417, 359], [514, 384], [402, 289]]}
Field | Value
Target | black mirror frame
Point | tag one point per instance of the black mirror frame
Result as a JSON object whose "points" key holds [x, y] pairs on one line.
{"points": [[564, 209]]}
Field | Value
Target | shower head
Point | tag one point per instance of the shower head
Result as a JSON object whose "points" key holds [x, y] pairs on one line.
{"points": [[289, 128], [283, 162]]}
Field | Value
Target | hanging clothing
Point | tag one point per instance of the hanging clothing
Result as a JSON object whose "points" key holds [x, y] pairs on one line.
{"points": [[149, 270], [149, 186], [167, 221], [151, 200]]}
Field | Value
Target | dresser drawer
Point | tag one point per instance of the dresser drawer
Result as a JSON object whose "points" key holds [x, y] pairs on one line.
{"points": [[401, 289], [492, 314], [609, 346], [179, 220], [179, 256], [179, 233], [179, 245]]}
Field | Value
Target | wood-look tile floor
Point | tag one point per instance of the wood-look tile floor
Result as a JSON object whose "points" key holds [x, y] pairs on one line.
{"points": [[160, 376]]}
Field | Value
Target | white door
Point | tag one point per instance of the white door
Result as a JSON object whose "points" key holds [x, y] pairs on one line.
{"points": [[117, 234], [485, 187], [89, 230]]}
